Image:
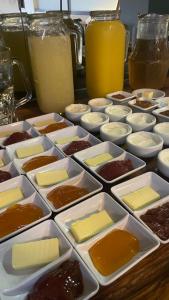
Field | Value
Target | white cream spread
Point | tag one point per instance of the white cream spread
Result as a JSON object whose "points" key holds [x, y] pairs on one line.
{"points": [[118, 111], [115, 130], [163, 128], [99, 102], [77, 108], [94, 118], [140, 119]]}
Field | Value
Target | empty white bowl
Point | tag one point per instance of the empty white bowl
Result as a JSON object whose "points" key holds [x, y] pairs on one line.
{"points": [[141, 121], [144, 144], [118, 112], [163, 130], [156, 93], [163, 162], [74, 111], [99, 104], [115, 132], [94, 120]]}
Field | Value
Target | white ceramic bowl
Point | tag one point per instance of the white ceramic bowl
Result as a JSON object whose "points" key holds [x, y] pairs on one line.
{"points": [[74, 111], [156, 93], [162, 102], [99, 104], [163, 130], [115, 132], [163, 162], [141, 121], [144, 144], [118, 112], [94, 120]]}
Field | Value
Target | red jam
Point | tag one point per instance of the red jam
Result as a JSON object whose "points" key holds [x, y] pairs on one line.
{"points": [[63, 283], [118, 96], [17, 137], [77, 146], [115, 169], [4, 176]]}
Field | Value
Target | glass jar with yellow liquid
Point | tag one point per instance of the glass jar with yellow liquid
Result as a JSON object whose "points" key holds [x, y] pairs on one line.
{"points": [[51, 60], [105, 53]]}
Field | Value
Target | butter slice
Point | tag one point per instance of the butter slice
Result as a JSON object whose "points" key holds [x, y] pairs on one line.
{"points": [[67, 139], [5, 133], [34, 254], [10, 196], [98, 159], [141, 197], [1, 162], [51, 177], [29, 151], [148, 95], [88, 227], [44, 123]]}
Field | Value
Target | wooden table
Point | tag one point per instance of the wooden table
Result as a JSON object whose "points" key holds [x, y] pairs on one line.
{"points": [[149, 279]]}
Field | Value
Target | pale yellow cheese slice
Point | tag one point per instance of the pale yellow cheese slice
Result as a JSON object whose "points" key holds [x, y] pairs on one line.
{"points": [[5, 133], [67, 139], [44, 123], [51, 177], [88, 227], [1, 162], [98, 159], [10, 196], [34, 254], [29, 151], [141, 197]]}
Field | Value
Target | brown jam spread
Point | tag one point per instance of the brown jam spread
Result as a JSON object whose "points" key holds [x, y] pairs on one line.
{"points": [[115, 169], [18, 216], [65, 194], [4, 175], [76, 146], [63, 283], [17, 137], [143, 103], [158, 220], [53, 127], [118, 96], [113, 251], [37, 162], [165, 113]]}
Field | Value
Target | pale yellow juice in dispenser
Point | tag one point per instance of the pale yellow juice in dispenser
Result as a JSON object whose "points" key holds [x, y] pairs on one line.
{"points": [[105, 55]]}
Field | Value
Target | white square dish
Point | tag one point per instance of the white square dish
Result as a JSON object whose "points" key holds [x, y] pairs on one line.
{"points": [[147, 179], [91, 286], [70, 132], [127, 97], [118, 154], [43, 140], [11, 168], [137, 108], [147, 241], [31, 196], [101, 201], [157, 113], [17, 127], [13, 279], [5, 157]]}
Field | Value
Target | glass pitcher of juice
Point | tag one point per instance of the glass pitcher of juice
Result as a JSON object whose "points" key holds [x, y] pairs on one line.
{"points": [[105, 53], [149, 60], [50, 51], [16, 39]]}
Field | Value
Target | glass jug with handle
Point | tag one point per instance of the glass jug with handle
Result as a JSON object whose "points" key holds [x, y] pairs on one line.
{"points": [[8, 104], [14, 28], [105, 53], [51, 59], [149, 60]]}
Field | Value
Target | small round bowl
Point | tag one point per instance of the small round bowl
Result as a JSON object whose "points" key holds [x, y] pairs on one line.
{"points": [[99, 104], [162, 102], [94, 120], [163, 130], [156, 93], [118, 112], [141, 121], [163, 162], [144, 144], [74, 111], [115, 132]]}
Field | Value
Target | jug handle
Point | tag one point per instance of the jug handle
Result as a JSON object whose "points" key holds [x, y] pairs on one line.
{"points": [[78, 46], [127, 44], [26, 82]]}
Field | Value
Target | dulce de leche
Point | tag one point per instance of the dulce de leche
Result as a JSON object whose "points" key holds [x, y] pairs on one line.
{"points": [[113, 251], [65, 194], [18, 216], [53, 127], [38, 161]]}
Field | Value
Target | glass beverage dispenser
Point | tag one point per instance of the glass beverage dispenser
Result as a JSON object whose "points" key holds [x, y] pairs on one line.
{"points": [[149, 60], [105, 53], [50, 52], [16, 39]]}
